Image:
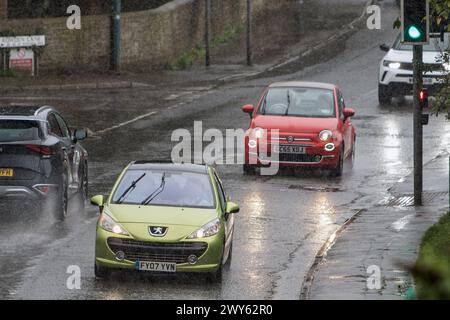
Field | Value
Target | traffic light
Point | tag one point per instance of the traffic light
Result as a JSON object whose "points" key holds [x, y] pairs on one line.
{"points": [[423, 98], [415, 21]]}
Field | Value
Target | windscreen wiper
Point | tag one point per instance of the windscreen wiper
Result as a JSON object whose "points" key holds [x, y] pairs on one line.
{"points": [[157, 192], [132, 186], [289, 102]]}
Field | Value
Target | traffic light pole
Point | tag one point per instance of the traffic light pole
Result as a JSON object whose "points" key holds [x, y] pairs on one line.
{"points": [[418, 129]]}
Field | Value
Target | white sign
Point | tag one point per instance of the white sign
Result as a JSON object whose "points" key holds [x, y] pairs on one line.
{"points": [[22, 60], [21, 42]]}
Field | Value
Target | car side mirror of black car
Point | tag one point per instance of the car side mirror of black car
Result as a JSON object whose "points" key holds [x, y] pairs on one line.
{"points": [[385, 47], [79, 135]]}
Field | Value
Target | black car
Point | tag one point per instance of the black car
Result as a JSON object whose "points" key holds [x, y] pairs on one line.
{"points": [[40, 158]]}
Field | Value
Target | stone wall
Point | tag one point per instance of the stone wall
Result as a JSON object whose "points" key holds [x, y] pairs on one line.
{"points": [[3, 9], [150, 39]]}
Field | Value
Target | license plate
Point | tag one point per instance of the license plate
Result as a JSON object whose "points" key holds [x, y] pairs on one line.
{"points": [[289, 149], [6, 172], [156, 266], [425, 80]]}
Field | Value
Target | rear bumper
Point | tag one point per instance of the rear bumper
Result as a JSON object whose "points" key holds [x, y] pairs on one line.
{"points": [[34, 192]]}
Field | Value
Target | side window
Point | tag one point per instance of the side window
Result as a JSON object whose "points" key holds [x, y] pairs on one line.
{"points": [[54, 126], [63, 126], [222, 197]]}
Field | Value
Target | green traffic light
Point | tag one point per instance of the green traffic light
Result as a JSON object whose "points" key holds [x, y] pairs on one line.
{"points": [[414, 33]]}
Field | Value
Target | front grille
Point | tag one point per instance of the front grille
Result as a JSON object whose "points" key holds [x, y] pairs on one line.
{"points": [[156, 251], [433, 67]]}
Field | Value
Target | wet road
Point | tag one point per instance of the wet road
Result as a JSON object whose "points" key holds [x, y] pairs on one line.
{"points": [[284, 220]]}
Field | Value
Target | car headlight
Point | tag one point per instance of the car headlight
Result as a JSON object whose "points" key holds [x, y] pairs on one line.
{"points": [[392, 64], [258, 133], [107, 223], [208, 230], [325, 135]]}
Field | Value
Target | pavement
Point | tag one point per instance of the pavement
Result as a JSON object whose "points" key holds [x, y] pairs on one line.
{"points": [[386, 236]]}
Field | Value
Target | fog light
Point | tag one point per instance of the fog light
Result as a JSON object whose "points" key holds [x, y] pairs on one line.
{"points": [[330, 147], [252, 144], [192, 259], [120, 255], [317, 158]]}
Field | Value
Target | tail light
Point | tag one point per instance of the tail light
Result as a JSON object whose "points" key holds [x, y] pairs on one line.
{"points": [[44, 150]]}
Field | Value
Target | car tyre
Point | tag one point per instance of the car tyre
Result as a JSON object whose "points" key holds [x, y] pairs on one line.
{"points": [[101, 272], [84, 191], [62, 201], [230, 257], [337, 172], [353, 154], [249, 169], [216, 277], [384, 95]]}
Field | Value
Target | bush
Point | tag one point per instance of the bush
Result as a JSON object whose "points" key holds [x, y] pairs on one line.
{"points": [[432, 269]]}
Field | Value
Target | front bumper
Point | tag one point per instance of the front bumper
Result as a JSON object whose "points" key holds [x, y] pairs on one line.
{"points": [[400, 82], [209, 261], [315, 157]]}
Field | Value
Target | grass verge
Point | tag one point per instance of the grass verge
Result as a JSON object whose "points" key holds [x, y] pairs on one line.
{"points": [[187, 59], [432, 270]]}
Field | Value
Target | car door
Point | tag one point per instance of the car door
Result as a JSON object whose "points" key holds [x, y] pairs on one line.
{"points": [[229, 219], [61, 131]]}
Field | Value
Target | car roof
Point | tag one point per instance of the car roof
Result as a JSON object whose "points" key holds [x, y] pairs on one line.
{"points": [[169, 166], [23, 110], [304, 84]]}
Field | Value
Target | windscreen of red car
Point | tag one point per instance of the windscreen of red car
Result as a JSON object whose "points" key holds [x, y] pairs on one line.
{"points": [[19, 130], [166, 188], [299, 102]]}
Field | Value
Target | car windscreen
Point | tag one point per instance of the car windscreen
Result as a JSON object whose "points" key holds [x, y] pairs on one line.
{"points": [[19, 130], [435, 45], [299, 102], [165, 188]]}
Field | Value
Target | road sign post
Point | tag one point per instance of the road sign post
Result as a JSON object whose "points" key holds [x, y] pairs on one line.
{"points": [[249, 32], [207, 33], [115, 54]]}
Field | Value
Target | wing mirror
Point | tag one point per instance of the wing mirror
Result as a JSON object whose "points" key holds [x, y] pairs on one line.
{"points": [[385, 47], [98, 201], [79, 135], [232, 208], [248, 108], [348, 113]]}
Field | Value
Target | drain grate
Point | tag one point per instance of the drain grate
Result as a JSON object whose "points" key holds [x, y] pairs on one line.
{"points": [[317, 189], [407, 200]]}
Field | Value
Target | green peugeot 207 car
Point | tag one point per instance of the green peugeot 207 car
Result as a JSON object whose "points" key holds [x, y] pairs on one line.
{"points": [[165, 218]]}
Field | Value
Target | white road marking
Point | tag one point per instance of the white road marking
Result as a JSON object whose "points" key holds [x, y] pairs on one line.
{"points": [[126, 123]]}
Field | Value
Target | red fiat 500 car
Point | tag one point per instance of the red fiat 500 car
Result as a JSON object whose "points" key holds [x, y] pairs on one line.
{"points": [[315, 128]]}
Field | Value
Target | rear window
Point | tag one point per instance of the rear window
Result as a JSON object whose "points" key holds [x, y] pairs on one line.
{"points": [[165, 188], [19, 130]]}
